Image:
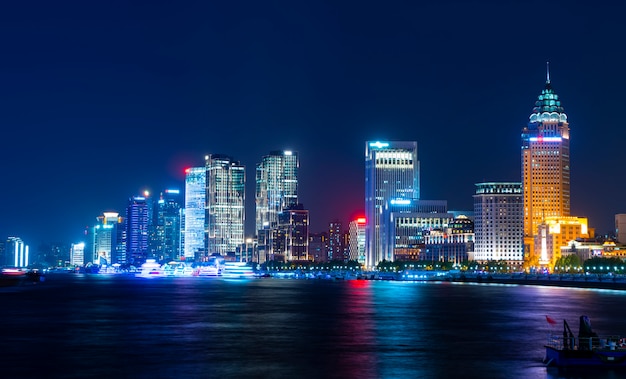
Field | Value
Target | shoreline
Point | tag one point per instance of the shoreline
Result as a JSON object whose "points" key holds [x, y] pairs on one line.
{"points": [[590, 283]]}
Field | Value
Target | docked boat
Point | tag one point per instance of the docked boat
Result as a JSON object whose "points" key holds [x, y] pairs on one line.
{"points": [[587, 350]]}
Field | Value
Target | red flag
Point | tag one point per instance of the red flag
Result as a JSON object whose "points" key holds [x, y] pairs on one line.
{"points": [[550, 320]]}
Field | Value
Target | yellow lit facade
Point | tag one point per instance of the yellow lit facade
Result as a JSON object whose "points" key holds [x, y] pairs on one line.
{"points": [[545, 167], [556, 232]]}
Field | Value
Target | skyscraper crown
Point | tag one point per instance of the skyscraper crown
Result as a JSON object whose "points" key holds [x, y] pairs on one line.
{"points": [[548, 106]]}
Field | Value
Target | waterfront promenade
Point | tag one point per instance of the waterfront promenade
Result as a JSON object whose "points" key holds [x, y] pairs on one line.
{"points": [[612, 282]]}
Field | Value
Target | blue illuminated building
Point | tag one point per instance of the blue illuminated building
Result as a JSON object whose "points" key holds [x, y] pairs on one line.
{"points": [[391, 172], [137, 229], [225, 200]]}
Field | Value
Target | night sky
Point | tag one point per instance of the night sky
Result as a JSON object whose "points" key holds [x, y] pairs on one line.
{"points": [[101, 100]]}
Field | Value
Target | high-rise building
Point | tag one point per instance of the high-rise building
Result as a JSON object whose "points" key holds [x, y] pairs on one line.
{"points": [[335, 241], [498, 223], [318, 247], [108, 241], [193, 238], [77, 254], [357, 240], [167, 221], [292, 234], [620, 228], [225, 200], [545, 164], [391, 172], [137, 229], [276, 187], [17, 252]]}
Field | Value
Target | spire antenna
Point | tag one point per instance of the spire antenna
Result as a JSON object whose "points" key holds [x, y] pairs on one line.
{"points": [[547, 72]]}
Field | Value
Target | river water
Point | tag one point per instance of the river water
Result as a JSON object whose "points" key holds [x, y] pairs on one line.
{"points": [[98, 326]]}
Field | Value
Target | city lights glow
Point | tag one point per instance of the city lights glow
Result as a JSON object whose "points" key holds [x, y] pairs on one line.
{"points": [[400, 201], [545, 139], [379, 144]]}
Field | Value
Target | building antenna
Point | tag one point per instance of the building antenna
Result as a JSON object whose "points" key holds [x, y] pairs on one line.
{"points": [[547, 72]]}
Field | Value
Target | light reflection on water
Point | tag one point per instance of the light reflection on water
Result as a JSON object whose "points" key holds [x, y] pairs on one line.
{"points": [[108, 326]]}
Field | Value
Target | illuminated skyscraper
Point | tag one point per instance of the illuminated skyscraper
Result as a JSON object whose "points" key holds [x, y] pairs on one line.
{"points": [[357, 240], [545, 164], [225, 201], [335, 241], [17, 252], [391, 172], [137, 229], [167, 225], [276, 190], [107, 238], [292, 234], [276, 187], [194, 212], [77, 254]]}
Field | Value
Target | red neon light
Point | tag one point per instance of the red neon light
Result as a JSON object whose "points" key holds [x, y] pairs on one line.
{"points": [[360, 220]]}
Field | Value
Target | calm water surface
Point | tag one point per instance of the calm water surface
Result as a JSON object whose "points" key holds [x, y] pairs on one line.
{"points": [[92, 326]]}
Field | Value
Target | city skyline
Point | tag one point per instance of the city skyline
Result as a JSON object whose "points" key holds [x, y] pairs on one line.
{"points": [[101, 102]]}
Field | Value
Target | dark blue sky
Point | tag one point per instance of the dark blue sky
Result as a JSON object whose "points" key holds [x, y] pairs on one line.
{"points": [[100, 100]]}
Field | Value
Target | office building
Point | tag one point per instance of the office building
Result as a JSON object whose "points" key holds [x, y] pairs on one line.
{"points": [[405, 222], [357, 240], [77, 254], [292, 236], [137, 229], [167, 226], [451, 244], [498, 223], [276, 186], [335, 241], [17, 253], [108, 234], [193, 238], [225, 200], [391, 172], [545, 158]]}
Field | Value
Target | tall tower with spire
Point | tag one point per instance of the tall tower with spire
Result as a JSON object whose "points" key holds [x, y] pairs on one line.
{"points": [[545, 164]]}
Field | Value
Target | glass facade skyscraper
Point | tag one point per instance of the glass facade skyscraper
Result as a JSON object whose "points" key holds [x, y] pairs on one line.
{"points": [[194, 213], [225, 200], [107, 239], [391, 173], [276, 187], [137, 229], [167, 222], [545, 163]]}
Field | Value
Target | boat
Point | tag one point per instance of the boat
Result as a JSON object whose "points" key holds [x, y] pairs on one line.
{"points": [[587, 350], [150, 269]]}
